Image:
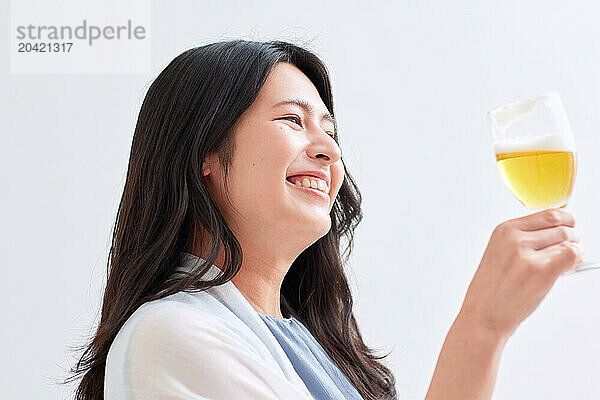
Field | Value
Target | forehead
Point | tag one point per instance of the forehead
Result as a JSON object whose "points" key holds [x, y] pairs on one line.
{"points": [[286, 82]]}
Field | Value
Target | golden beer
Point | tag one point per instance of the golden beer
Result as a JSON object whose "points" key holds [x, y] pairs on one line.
{"points": [[538, 179]]}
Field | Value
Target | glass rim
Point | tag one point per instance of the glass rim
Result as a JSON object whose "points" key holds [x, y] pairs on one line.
{"points": [[530, 99]]}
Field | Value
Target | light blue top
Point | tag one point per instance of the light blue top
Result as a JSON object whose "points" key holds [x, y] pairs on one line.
{"points": [[320, 374]]}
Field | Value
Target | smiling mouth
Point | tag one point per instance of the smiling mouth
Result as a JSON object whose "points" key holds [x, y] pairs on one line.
{"points": [[308, 181], [310, 191]]}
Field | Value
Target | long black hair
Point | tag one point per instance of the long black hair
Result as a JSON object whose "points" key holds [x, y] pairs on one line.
{"points": [[188, 112]]}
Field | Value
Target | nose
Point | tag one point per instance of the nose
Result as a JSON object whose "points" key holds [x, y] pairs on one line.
{"points": [[324, 147]]}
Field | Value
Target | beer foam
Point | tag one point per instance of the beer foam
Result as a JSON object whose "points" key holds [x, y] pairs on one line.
{"points": [[550, 142], [515, 126]]}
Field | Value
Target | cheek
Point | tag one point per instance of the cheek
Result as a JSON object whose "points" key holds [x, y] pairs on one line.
{"points": [[337, 176], [263, 158]]}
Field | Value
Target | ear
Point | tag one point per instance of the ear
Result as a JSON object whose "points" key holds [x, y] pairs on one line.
{"points": [[210, 161]]}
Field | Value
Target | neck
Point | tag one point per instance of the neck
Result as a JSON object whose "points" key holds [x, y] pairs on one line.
{"points": [[259, 278]]}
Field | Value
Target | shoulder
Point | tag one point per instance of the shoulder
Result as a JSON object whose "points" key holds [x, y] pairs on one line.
{"points": [[177, 328], [176, 324], [172, 347]]}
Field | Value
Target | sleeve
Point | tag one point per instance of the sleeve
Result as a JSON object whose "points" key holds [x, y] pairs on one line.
{"points": [[176, 353]]}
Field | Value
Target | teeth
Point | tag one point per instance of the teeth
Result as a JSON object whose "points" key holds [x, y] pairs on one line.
{"points": [[313, 183]]}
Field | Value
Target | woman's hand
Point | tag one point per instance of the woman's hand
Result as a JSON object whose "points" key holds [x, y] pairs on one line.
{"points": [[523, 259]]}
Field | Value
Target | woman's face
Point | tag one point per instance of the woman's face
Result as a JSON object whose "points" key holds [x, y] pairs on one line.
{"points": [[274, 140]]}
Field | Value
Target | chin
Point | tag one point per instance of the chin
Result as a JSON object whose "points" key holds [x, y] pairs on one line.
{"points": [[322, 227], [314, 225]]}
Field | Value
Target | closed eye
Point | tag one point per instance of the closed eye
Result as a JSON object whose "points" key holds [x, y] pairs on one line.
{"points": [[292, 117]]}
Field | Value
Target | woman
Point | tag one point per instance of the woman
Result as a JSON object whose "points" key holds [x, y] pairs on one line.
{"points": [[225, 275]]}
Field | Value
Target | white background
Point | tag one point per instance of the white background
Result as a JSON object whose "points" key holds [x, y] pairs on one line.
{"points": [[412, 82]]}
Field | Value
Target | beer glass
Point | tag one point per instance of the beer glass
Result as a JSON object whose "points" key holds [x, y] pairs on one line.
{"points": [[535, 153]]}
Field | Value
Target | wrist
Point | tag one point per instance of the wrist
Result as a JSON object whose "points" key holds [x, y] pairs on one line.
{"points": [[478, 332]]}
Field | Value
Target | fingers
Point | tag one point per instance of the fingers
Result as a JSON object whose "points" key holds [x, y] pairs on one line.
{"points": [[545, 219], [561, 257], [547, 237]]}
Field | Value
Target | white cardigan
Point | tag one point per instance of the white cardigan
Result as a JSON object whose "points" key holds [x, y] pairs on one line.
{"points": [[210, 345]]}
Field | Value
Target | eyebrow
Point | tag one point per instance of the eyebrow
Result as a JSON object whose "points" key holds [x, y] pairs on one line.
{"points": [[326, 116]]}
